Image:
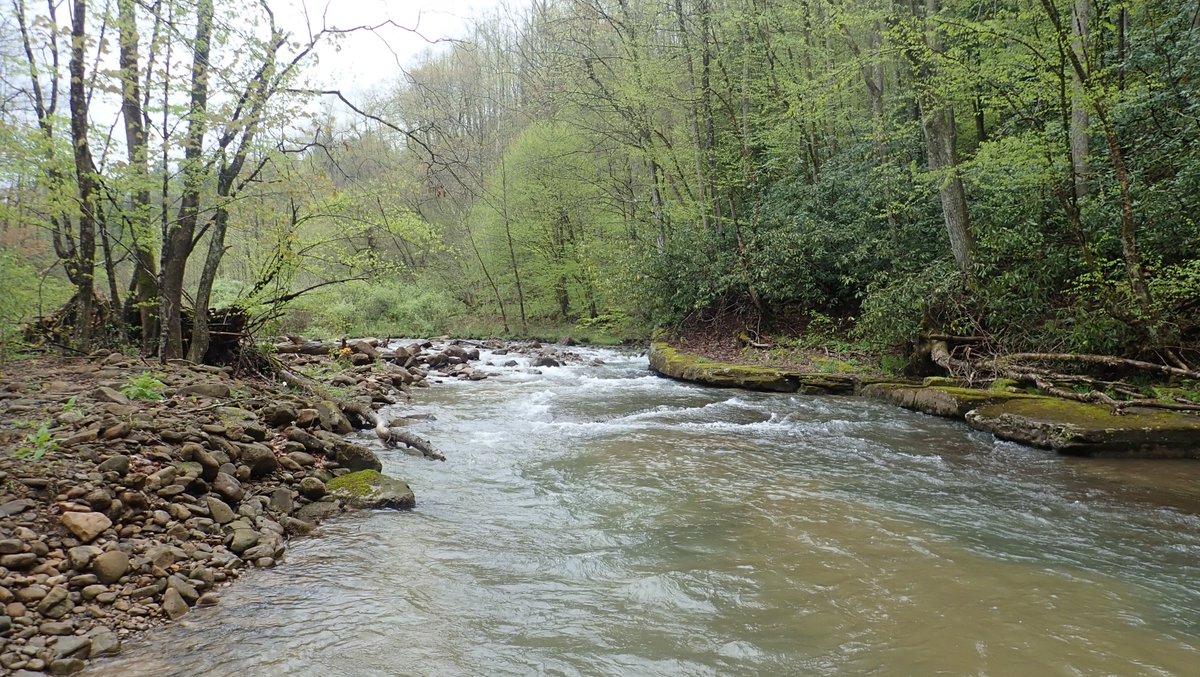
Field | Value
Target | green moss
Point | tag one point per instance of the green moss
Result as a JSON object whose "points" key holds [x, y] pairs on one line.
{"points": [[359, 483], [1098, 416]]}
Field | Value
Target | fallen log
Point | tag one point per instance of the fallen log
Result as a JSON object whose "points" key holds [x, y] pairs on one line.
{"points": [[1103, 360]]}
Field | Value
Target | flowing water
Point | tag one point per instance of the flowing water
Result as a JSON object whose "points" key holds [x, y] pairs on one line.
{"points": [[602, 521]]}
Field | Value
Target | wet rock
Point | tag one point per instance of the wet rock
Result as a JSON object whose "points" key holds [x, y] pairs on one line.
{"points": [[66, 666], [186, 590], [317, 511], [110, 566], [66, 647], [104, 643], [173, 604], [208, 599], [86, 526]]}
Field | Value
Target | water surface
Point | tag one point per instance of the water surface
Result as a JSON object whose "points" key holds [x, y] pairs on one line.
{"points": [[602, 521]]}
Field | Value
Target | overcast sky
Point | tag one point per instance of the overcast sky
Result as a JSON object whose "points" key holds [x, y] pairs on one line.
{"points": [[366, 59]]}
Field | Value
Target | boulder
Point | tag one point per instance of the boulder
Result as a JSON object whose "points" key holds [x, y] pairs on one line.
{"points": [[356, 458], [1080, 429], [332, 418], [228, 486], [260, 459], [371, 489]]}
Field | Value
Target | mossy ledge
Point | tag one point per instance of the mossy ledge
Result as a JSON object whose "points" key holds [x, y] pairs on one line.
{"points": [[672, 363], [1067, 427]]}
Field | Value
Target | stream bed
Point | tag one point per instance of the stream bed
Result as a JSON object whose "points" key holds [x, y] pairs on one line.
{"points": [[599, 520]]}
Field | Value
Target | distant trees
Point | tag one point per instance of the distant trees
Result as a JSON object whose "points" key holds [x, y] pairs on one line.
{"points": [[1027, 170]]}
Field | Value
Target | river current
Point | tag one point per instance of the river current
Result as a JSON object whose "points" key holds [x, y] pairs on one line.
{"points": [[599, 520]]}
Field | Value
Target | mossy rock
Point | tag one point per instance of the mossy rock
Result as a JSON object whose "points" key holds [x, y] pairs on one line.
{"points": [[1081, 429], [371, 489], [951, 402], [672, 363]]}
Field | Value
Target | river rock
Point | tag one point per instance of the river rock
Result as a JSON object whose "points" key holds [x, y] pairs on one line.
{"points": [[110, 566], [281, 500], [106, 394], [66, 666], [173, 604], [332, 418], [370, 489], [214, 390], [19, 561], [66, 647], [316, 511], [356, 458], [104, 643], [118, 464], [243, 540], [81, 556], [86, 526], [312, 487], [220, 510], [260, 459], [228, 486], [279, 415]]}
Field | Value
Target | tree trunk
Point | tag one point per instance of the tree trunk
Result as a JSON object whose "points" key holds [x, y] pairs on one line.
{"points": [[1079, 107], [941, 137], [177, 241], [145, 271], [85, 173]]}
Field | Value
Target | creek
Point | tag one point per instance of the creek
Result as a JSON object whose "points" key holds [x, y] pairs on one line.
{"points": [[599, 520]]}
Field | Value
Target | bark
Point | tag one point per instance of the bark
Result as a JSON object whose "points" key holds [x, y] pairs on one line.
{"points": [[1079, 110], [941, 137], [85, 174], [177, 241], [247, 117], [145, 272]]}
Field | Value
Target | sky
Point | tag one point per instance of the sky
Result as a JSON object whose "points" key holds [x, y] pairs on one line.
{"points": [[369, 59]]}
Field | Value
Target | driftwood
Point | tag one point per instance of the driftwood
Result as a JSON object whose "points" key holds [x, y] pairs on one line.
{"points": [[1104, 360], [393, 436], [1022, 368]]}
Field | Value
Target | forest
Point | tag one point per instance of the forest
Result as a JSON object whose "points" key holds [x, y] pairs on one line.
{"points": [[1021, 173]]}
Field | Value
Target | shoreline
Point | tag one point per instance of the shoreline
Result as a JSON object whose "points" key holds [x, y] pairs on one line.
{"points": [[1045, 422]]}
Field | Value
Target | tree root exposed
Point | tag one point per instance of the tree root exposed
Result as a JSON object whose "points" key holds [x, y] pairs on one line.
{"points": [[1022, 368]]}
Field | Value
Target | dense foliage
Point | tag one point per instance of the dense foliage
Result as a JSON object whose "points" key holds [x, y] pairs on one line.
{"points": [[1026, 170]]}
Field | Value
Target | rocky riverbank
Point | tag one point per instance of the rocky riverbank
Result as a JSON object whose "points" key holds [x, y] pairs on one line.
{"points": [[132, 491], [1064, 426]]}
